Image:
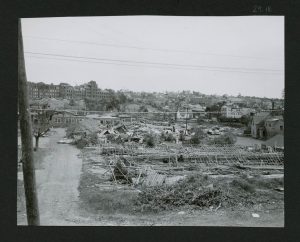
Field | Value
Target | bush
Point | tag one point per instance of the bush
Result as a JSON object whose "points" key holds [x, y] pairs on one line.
{"points": [[150, 140], [226, 139], [110, 137], [93, 138], [181, 137], [81, 143], [198, 136], [195, 140], [70, 130], [170, 137]]}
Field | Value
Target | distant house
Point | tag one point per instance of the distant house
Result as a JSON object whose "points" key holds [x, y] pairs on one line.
{"points": [[124, 118], [258, 130], [231, 112], [103, 120], [198, 111], [274, 125], [65, 118], [184, 115]]}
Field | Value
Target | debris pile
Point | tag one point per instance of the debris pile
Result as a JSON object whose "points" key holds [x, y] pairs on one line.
{"points": [[193, 190], [120, 173], [205, 192]]}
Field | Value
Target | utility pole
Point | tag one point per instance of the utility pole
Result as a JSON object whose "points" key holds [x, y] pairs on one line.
{"points": [[26, 138]]}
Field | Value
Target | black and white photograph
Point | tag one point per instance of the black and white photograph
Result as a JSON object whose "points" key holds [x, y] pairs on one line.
{"points": [[149, 120]]}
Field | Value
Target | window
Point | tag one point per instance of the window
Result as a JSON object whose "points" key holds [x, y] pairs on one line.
{"points": [[281, 127]]}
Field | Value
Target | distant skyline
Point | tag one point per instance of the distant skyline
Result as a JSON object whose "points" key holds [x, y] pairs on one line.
{"points": [[166, 91], [211, 55]]}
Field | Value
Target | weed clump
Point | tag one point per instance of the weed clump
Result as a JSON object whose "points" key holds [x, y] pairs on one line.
{"points": [[194, 190], [244, 184]]}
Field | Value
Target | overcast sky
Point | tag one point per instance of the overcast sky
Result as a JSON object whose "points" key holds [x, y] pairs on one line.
{"points": [[212, 55]]}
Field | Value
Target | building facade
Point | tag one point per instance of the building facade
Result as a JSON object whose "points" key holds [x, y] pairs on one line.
{"points": [[258, 130], [274, 126], [65, 119], [64, 90], [42, 90]]}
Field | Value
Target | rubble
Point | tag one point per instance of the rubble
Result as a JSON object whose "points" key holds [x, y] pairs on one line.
{"points": [[120, 172]]}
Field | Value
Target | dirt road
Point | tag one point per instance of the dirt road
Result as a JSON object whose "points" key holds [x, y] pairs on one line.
{"points": [[58, 181]]}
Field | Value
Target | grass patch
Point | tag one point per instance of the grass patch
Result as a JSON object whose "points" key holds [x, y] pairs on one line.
{"points": [[244, 184], [111, 201]]}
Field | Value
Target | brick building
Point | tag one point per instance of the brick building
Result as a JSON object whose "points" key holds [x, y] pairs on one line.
{"points": [[42, 90], [64, 90]]}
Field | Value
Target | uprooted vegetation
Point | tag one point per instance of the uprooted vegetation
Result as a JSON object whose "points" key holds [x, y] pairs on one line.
{"points": [[118, 192], [204, 192]]}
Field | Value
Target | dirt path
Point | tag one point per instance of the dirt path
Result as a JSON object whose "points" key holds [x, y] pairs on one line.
{"points": [[57, 183]]}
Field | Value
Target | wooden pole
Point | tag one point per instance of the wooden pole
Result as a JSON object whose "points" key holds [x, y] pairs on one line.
{"points": [[26, 139]]}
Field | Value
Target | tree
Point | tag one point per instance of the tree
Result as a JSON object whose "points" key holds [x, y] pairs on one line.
{"points": [[41, 125], [245, 119], [143, 108], [197, 136], [122, 97], [72, 102], [214, 110], [200, 120], [167, 137], [226, 139]]}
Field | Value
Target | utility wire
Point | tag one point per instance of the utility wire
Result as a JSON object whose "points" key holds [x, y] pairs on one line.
{"points": [[214, 68], [131, 112], [146, 48], [141, 65]]}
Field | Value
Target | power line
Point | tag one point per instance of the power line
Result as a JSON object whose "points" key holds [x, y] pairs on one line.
{"points": [[213, 68], [147, 48], [150, 112], [122, 64]]}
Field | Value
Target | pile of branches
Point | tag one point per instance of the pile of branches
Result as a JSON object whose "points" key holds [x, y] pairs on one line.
{"points": [[202, 192], [192, 191]]}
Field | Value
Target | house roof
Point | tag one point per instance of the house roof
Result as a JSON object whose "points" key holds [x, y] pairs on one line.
{"points": [[258, 118], [274, 119], [277, 140], [124, 116], [96, 116]]}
